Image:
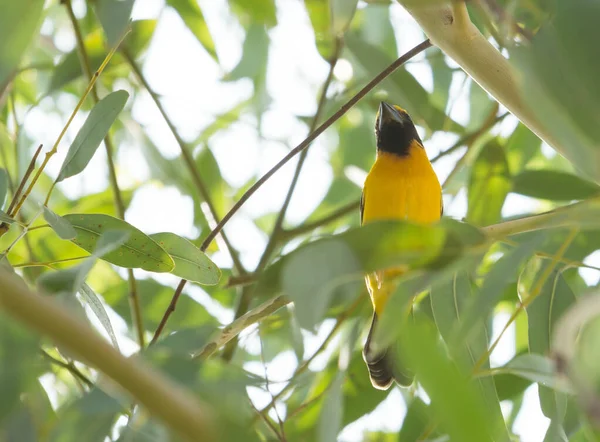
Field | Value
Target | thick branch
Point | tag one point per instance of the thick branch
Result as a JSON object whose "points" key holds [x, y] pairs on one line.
{"points": [[164, 399]]}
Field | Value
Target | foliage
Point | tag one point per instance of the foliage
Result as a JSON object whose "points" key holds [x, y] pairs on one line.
{"points": [[266, 346]]}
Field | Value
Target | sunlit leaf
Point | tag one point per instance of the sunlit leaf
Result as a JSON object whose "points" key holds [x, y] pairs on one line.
{"points": [[139, 251], [61, 226], [416, 422], [342, 12], [19, 22], [488, 186], [114, 17], [191, 14], [521, 146], [3, 185], [190, 263], [254, 55], [96, 306], [259, 12], [92, 133], [319, 13]]}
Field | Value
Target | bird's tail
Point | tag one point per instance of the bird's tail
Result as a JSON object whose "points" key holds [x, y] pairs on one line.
{"points": [[383, 364]]}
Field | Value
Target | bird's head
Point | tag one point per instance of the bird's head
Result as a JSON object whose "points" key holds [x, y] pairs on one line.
{"points": [[394, 130]]}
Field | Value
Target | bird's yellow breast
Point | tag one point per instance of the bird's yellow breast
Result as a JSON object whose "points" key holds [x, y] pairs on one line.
{"points": [[402, 188]]}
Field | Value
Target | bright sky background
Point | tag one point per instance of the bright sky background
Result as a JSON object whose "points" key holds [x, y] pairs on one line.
{"points": [[187, 79]]}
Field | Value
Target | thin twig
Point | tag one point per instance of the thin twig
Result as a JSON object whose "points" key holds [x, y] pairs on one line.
{"points": [[170, 309], [70, 367], [304, 144], [24, 179], [134, 301]]}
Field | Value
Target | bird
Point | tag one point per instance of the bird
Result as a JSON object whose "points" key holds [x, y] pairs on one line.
{"points": [[401, 185]]}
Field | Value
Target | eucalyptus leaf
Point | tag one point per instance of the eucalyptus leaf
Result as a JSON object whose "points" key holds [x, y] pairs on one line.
{"points": [[114, 16], [139, 251], [191, 14], [61, 226], [92, 133], [96, 306], [342, 12], [553, 185], [3, 186], [330, 422], [190, 262]]}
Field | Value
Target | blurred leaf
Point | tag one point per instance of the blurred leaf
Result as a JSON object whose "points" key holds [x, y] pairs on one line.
{"points": [[315, 273], [3, 185], [480, 107], [536, 368], [91, 134], [27, 422], [543, 313], [190, 263], [19, 23], [184, 342], [521, 146], [457, 405], [403, 88], [254, 55], [553, 185], [319, 14], [416, 422], [96, 306], [61, 226], [559, 82], [114, 16], [191, 14], [139, 251], [503, 272], [442, 78], [488, 186], [5, 218], [297, 338], [88, 418], [342, 12], [154, 299], [19, 364], [69, 67], [262, 12], [330, 422], [449, 301]]}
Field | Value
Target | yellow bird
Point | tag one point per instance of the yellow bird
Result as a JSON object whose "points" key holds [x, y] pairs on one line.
{"points": [[401, 185]]}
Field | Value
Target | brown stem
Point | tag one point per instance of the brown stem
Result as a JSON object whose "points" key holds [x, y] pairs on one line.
{"points": [[169, 311]]}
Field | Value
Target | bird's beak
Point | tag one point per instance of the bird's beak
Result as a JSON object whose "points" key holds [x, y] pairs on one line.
{"points": [[388, 114]]}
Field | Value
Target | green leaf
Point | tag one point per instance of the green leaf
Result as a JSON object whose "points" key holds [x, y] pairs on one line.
{"points": [[19, 23], [416, 422], [19, 363], [191, 14], [488, 186], [560, 82], [457, 404], [190, 263], [553, 185], [88, 418], [262, 12], [316, 273], [114, 16], [330, 422], [5, 218], [69, 68], [442, 78], [96, 306], [449, 301], [480, 107], [503, 273], [139, 251], [3, 186], [543, 313], [536, 368], [342, 12], [521, 147], [92, 133], [319, 14], [61, 226], [255, 53]]}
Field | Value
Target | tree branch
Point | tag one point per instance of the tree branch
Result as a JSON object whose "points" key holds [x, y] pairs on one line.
{"points": [[164, 399]]}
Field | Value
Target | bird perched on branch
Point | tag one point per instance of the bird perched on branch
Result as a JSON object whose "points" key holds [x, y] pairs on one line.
{"points": [[401, 185]]}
